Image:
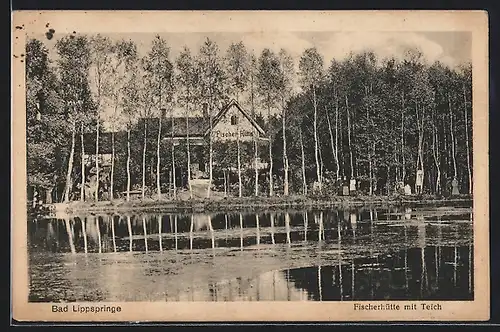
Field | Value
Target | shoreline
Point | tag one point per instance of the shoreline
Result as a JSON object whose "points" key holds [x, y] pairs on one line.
{"points": [[248, 204]]}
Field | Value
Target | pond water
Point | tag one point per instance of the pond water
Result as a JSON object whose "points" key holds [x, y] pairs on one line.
{"points": [[318, 255]]}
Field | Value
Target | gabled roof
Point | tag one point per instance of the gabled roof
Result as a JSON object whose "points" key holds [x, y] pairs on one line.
{"points": [[226, 108]]}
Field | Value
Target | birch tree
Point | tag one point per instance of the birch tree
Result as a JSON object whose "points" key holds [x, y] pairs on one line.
{"points": [[237, 72], [253, 75], [121, 51], [287, 80], [466, 79], [101, 58], [160, 72], [437, 77], [311, 73], [74, 65], [334, 72], [421, 96], [212, 90], [371, 107], [131, 99], [147, 102], [268, 86], [188, 79]]}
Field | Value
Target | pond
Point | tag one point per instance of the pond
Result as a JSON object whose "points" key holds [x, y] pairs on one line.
{"points": [[342, 254]]}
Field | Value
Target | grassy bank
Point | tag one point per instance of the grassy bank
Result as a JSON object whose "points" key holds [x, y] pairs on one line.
{"points": [[254, 203]]}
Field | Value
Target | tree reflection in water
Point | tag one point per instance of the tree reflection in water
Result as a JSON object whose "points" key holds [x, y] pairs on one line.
{"points": [[175, 234], [70, 235], [257, 223], [287, 229], [112, 221], [160, 238], [129, 226], [346, 254], [84, 231], [241, 232], [272, 229]]}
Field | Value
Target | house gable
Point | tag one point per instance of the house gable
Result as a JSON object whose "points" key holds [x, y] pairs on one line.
{"points": [[233, 121]]}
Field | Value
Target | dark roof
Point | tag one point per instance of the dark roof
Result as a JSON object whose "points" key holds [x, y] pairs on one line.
{"points": [[198, 127]]}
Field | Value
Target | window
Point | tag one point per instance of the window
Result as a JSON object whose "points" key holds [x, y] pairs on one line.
{"points": [[234, 120]]}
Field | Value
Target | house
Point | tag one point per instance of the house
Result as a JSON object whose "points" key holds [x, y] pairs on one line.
{"points": [[231, 123]]}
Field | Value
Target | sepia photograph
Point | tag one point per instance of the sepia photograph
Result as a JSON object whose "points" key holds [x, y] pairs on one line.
{"points": [[271, 166]]}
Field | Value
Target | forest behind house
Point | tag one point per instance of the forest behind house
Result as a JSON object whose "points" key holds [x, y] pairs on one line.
{"points": [[375, 120]]}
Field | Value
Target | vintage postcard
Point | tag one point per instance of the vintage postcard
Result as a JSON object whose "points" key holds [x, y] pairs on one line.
{"points": [[250, 166]]}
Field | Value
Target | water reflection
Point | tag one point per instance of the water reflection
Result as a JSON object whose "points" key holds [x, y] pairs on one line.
{"points": [[386, 281], [348, 254]]}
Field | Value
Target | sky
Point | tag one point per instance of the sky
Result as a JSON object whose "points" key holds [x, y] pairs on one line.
{"points": [[451, 48]]}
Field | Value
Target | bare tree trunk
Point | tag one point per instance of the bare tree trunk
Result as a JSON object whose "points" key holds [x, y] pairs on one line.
{"points": [[210, 157], [403, 177], [321, 163], [285, 156], [349, 136], [342, 154], [396, 169], [334, 150], [144, 161], [158, 160], [128, 164], [172, 151], [452, 133], [255, 143], [370, 149], [188, 157], [435, 154], [304, 183], [240, 192], [371, 167], [337, 173], [82, 183], [111, 186], [97, 160], [420, 151], [446, 157], [225, 182], [256, 166], [466, 125], [68, 186], [418, 143], [316, 156], [271, 185]]}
